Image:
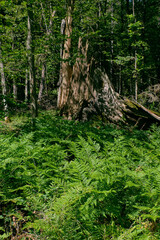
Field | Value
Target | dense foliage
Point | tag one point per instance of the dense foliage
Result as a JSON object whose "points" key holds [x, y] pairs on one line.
{"points": [[123, 39], [70, 180]]}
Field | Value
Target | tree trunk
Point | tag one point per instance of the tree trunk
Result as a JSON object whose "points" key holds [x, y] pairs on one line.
{"points": [[86, 91], [94, 97], [27, 86], [91, 95], [66, 69], [63, 25], [14, 89], [30, 52], [112, 42], [135, 76], [135, 61], [3, 84], [42, 83], [82, 89]]}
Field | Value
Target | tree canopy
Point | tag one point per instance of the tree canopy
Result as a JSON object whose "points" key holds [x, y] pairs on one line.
{"points": [[123, 40]]}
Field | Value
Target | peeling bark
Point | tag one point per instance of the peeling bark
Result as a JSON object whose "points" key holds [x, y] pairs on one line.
{"points": [[66, 68]]}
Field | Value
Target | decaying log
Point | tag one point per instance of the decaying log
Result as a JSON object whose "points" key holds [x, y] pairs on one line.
{"points": [[103, 102], [86, 92], [108, 105], [138, 115]]}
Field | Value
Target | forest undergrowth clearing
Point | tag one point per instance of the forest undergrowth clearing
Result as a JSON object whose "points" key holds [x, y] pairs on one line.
{"points": [[73, 180]]}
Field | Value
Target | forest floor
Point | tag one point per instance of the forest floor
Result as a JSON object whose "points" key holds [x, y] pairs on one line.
{"points": [[73, 180]]}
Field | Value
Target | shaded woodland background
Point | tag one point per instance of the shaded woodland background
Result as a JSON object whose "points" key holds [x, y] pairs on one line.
{"points": [[123, 41]]}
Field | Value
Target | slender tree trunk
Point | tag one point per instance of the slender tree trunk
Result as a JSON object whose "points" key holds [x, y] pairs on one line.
{"points": [[3, 84], [42, 83], [120, 91], [30, 51], [120, 80], [112, 43], [14, 89], [135, 60], [44, 17], [136, 80], [45, 84], [27, 86], [48, 28], [63, 24], [51, 22], [14, 80]]}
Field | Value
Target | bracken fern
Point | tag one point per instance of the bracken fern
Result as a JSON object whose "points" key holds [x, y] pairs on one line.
{"points": [[69, 180]]}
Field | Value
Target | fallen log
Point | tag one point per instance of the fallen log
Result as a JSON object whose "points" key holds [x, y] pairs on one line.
{"points": [[93, 96], [138, 115]]}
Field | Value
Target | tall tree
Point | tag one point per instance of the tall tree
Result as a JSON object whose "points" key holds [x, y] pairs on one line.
{"points": [[42, 83], [82, 85], [135, 57], [4, 85], [85, 89], [66, 69], [30, 53], [14, 80]]}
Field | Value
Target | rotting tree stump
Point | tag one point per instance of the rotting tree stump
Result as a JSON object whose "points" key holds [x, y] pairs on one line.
{"points": [[100, 100]]}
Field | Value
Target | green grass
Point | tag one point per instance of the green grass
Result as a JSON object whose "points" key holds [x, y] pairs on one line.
{"points": [[70, 180]]}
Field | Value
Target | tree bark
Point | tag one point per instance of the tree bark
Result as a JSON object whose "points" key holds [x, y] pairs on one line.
{"points": [[66, 68], [27, 86], [30, 52], [135, 76], [3, 84], [14, 89], [42, 83], [83, 90], [89, 91], [48, 28], [63, 25]]}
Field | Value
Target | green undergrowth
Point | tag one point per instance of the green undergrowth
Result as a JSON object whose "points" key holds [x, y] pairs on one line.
{"points": [[70, 180]]}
